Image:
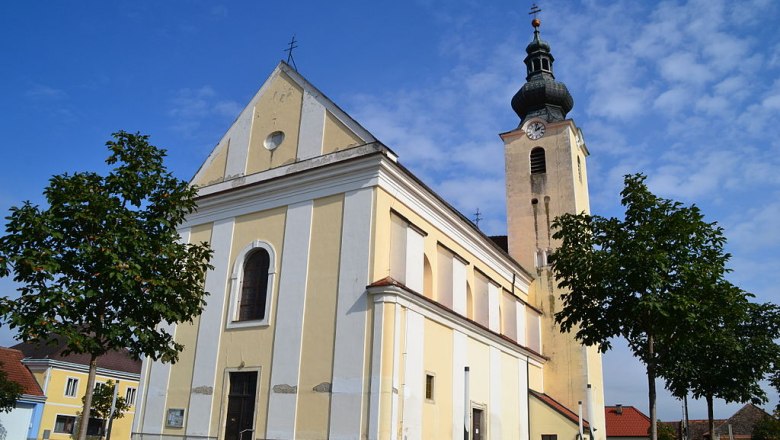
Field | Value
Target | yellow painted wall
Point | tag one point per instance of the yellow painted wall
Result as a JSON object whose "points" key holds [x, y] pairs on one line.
{"points": [[214, 170], [278, 109], [337, 136], [437, 360], [180, 378], [545, 420], [510, 404], [59, 404], [478, 360], [250, 348], [319, 319], [536, 378]]}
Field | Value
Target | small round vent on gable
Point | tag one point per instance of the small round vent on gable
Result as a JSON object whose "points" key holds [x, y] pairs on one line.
{"points": [[274, 140]]}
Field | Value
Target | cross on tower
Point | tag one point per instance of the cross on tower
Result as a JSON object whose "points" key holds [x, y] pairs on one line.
{"points": [[477, 217], [535, 10], [291, 45]]}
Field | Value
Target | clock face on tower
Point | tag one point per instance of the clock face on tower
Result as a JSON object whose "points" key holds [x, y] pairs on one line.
{"points": [[535, 130]]}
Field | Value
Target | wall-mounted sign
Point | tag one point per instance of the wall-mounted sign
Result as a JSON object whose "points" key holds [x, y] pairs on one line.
{"points": [[175, 418]]}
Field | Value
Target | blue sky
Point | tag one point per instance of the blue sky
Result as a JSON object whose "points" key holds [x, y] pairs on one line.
{"points": [[686, 92]]}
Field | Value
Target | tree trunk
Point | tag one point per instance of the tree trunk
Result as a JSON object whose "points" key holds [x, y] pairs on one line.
{"points": [[710, 417], [651, 388], [86, 409]]}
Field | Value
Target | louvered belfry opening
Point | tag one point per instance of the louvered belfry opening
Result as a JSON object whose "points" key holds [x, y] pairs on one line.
{"points": [[538, 163]]}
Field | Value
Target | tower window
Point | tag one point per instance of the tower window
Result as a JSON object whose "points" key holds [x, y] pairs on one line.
{"points": [[538, 163], [579, 168], [545, 64], [536, 64], [429, 381]]}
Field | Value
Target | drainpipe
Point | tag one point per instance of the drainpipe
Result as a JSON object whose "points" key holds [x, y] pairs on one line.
{"points": [[466, 404], [579, 417]]}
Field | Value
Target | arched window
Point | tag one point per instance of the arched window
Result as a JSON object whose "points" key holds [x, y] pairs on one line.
{"points": [[545, 64], [538, 163], [254, 286], [251, 286]]}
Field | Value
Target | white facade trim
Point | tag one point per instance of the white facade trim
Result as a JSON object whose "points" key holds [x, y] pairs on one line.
{"points": [[288, 332], [235, 286], [312, 125], [204, 374], [412, 389]]}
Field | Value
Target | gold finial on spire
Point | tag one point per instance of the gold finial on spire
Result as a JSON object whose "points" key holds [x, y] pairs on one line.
{"points": [[535, 10]]}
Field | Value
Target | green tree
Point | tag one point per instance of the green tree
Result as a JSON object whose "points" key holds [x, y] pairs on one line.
{"points": [[768, 428], [633, 278], [9, 392], [103, 264], [725, 353], [665, 431], [105, 405]]}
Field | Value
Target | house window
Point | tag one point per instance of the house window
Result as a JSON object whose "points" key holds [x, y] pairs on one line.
{"points": [[130, 396], [538, 163], [65, 424], [254, 286], [429, 383], [549, 436], [71, 387], [251, 286], [95, 427]]}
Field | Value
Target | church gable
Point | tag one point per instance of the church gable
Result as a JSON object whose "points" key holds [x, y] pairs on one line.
{"points": [[287, 121]]}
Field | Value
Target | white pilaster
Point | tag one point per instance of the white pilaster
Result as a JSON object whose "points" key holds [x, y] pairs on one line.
{"points": [[312, 126], [209, 331], [459, 411], [413, 376], [414, 260], [496, 389], [458, 286], [494, 297], [238, 147], [289, 320], [522, 392], [520, 318], [347, 405], [377, 374]]}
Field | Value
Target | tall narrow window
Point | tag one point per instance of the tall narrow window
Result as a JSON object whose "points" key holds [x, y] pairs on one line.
{"points": [[254, 286], [579, 168], [538, 162], [130, 395], [429, 381], [241, 405], [71, 387]]}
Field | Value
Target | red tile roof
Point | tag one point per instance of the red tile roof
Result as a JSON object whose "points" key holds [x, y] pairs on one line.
{"points": [[11, 361], [631, 423], [119, 360], [557, 406]]}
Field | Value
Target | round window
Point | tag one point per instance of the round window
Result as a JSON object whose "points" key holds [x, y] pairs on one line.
{"points": [[274, 140]]}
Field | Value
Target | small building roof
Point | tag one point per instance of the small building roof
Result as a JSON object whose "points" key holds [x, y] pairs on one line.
{"points": [[11, 364], [626, 421], [117, 360]]}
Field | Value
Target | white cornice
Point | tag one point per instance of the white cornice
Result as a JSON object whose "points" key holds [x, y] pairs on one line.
{"points": [[70, 366], [399, 295]]}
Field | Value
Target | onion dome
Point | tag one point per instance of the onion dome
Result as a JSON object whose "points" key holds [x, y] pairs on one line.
{"points": [[541, 96]]}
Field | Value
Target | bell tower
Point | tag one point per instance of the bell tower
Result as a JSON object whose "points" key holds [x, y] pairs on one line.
{"points": [[546, 176]]}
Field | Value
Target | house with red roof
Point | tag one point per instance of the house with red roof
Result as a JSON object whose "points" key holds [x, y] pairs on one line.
{"points": [[23, 421], [626, 423]]}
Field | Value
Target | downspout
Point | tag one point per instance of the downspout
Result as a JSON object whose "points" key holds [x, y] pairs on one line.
{"points": [[579, 418], [466, 404]]}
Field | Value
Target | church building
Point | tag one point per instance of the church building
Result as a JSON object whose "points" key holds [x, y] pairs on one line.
{"points": [[349, 301]]}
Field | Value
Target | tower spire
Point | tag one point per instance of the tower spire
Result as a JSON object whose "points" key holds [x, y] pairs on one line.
{"points": [[541, 96]]}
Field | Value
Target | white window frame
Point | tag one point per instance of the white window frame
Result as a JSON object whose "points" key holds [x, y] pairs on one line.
{"points": [[235, 286], [75, 387], [128, 392]]}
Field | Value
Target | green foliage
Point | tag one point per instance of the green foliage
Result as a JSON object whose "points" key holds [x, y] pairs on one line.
{"points": [[637, 278], [665, 431], [9, 392], [767, 429], [102, 265], [102, 398]]}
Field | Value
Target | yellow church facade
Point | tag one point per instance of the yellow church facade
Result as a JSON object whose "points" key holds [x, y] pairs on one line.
{"points": [[348, 300]]}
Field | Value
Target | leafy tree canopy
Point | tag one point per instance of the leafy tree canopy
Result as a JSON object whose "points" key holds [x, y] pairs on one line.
{"points": [[637, 277], [103, 264]]}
